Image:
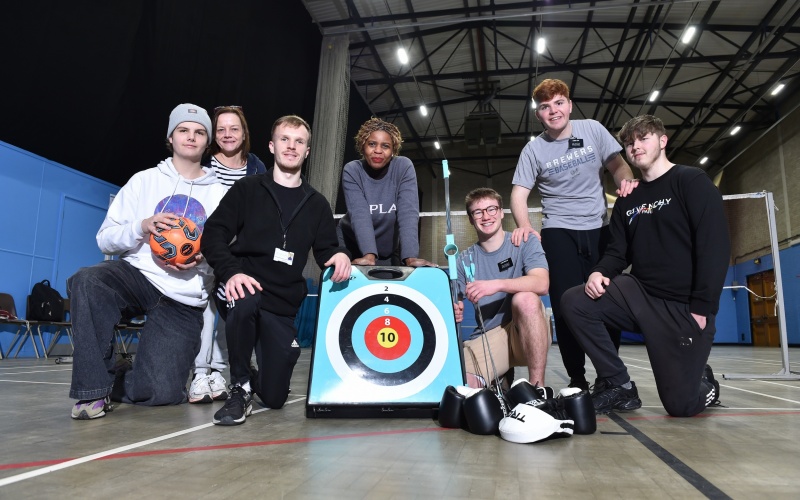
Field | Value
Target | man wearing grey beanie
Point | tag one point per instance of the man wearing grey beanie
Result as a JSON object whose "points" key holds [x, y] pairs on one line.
{"points": [[189, 113], [138, 283]]}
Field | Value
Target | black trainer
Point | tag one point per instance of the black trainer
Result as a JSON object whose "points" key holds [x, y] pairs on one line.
{"points": [[616, 398], [238, 407], [599, 386], [712, 397], [580, 383]]}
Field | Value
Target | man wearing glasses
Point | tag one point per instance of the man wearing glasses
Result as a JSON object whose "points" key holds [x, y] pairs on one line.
{"points": [[505, 281]]}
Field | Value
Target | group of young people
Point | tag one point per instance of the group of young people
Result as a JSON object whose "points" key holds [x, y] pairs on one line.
{"points": [[669, 227], [258, 226]]}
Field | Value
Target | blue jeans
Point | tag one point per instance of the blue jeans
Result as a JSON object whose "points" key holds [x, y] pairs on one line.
{"points": [[100, 296]]}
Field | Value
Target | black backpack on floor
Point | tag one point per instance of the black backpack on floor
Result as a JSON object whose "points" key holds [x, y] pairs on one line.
{"points": [[45, 303]]}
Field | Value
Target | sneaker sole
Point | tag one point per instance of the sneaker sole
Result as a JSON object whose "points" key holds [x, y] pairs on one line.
{"points": [[629, 405], [85, 416], [222, 396], [232, 421], [206, 398]]}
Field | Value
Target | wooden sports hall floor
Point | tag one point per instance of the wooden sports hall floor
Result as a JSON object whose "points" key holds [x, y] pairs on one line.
{"points": [[748, 448]]}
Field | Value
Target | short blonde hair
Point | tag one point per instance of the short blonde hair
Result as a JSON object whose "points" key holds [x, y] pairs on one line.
{"points": [[292, 121]]}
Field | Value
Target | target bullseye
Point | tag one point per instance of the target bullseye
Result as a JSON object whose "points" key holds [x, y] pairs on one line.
{"points": [[387, 337], [383, 341]]}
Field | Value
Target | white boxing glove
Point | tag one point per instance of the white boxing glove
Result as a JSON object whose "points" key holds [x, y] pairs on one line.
{"points": [[526, 424]]}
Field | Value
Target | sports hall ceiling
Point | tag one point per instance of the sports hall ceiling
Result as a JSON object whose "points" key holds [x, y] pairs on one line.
{"points": [[475, 62]]}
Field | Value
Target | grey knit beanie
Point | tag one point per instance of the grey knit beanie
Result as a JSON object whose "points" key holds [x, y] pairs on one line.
{"points": [[189, 113]]}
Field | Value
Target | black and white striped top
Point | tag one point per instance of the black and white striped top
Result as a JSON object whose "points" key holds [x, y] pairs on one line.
{"points": [[227, 176]]}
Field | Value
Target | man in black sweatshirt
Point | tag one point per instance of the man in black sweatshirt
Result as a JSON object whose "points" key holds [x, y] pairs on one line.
{"points": [[672, 231], [258, 245]]}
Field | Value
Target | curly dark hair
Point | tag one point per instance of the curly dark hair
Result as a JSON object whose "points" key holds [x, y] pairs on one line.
{"points": [[374, 125]]}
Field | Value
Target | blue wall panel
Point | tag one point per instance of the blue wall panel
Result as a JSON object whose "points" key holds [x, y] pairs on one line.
{"points": [[52, 215], [77, 245], [790, 267], [739, 299]]}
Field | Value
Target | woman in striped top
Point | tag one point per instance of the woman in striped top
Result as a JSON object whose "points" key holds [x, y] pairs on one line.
{"points": [[231, 160]]}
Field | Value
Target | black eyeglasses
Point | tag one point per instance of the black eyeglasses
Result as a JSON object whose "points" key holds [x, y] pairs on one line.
{"points": [[490, 211], [227, 107]]}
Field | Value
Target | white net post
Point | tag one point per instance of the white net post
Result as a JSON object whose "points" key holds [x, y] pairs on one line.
{"points": [[785, 373]]}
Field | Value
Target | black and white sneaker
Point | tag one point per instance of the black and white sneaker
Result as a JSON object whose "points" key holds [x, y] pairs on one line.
{"points": [[616, 398], [712, 386], [238, 407]]}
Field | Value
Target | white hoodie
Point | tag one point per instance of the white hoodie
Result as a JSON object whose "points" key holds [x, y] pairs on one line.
{"points": [[161, 189]]}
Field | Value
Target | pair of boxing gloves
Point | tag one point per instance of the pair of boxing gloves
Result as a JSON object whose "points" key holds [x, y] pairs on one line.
{"points": [[525, 414]]}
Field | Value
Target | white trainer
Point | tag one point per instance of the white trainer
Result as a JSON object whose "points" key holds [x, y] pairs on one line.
{"points": [[219, 388], [200, 390]]}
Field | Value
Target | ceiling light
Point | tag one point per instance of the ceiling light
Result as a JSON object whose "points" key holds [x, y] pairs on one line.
{"points": [[423, 110], [688, 34], [540, 45], [436, 145], [653, 96], [402, 55], [736, 130], [777, 88], [533, 137], [703, 160]]}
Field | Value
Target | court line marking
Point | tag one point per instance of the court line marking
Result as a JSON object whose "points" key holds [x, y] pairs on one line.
{"points": [[726, 386], [701, 484], [760, 394], [38, 371], [118, 453], [34, 382], [777, 383], [103, 454]]}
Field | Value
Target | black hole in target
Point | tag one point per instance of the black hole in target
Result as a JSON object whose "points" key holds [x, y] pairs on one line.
{"points": [[374, 376], [385, 274]]}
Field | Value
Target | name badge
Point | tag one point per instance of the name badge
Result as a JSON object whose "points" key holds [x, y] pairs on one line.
{"points": [[575, 143], [284, 256], [505, 264]]}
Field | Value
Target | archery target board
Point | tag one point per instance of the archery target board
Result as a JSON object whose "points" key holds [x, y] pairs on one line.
{"points": [[387, 336]]}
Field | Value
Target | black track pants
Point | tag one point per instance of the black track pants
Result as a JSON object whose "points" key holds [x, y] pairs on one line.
{"points": [[571, 254], [677, 347]]}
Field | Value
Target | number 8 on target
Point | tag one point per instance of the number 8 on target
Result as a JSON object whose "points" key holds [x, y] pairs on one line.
{"points": [[387, 337]]}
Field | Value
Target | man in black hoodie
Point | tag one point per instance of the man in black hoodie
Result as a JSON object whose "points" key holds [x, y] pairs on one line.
{"points": [[273, 219], [672, 232]]}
